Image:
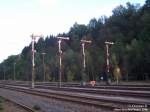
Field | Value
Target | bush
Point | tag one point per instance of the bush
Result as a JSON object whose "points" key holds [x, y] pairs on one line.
{"points": [[36, 107]]}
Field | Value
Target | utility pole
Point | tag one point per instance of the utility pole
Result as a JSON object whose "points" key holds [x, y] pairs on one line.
{"points": [[43, 54], [14, 71], [83, 43], [60, 56], [107, 57], [33, 53]]}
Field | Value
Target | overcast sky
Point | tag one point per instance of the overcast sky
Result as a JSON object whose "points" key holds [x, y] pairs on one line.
{"points": [[20, 18]]}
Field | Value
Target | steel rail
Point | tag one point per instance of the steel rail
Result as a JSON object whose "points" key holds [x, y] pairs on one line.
{"points": [[95, 101], [137, 88], [25, 107], [133, 93], [66, 97], [100, 91]]}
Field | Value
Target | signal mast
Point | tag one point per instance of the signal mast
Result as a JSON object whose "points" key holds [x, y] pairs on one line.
{"points": [[33, 37], [60, 56], [108, 56], [83, 43]]}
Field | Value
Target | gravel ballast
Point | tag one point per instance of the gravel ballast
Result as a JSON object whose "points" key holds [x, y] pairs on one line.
{"points": [[47, 104]]}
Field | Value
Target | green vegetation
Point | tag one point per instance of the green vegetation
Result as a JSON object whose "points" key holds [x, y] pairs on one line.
{"points": [[128, 28], [36, 107]]}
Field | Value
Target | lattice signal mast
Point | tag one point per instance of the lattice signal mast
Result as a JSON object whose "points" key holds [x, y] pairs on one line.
{"points": [[60, 56], [83, 43], [108, 55], [33, 37]]}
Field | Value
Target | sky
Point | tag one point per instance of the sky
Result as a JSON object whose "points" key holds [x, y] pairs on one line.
{"points": [[21, 18]]}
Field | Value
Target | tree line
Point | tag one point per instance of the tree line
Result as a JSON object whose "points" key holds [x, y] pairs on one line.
{"points": [[128, 27]]}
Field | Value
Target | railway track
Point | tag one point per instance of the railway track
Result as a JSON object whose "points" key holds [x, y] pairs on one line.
{"points": [[100, 91], [25, 107], [65, 97], [98, 85], [105, 102]]}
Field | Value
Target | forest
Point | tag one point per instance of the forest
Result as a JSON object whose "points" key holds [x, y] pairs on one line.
{"points": [[128, 27]]}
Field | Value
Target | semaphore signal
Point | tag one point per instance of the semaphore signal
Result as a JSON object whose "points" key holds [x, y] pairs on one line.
{"points": [[107, 54], [83, 43], [33, 37], [60, 56]]}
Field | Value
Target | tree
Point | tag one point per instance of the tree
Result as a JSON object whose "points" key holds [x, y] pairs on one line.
{"points": [[128, 28]]}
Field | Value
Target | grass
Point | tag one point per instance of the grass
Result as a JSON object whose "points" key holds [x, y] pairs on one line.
{"points": [[36, 107]]}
